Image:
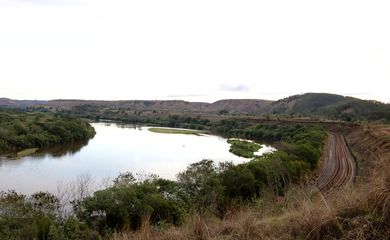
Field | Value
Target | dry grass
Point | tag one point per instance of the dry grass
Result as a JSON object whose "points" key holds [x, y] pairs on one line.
{"points": [[359, 212]]}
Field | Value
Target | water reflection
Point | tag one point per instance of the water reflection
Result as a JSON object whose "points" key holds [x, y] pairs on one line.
{"points": [[61, 150], [56, 151], [120, 125], [53, 151]]}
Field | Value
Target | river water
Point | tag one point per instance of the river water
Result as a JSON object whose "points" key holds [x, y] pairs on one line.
{"points": [[115, 148]]}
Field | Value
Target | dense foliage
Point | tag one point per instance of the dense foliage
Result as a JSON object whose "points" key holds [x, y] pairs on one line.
{"points": [[21, 130], [38, 217], [128, 202]]}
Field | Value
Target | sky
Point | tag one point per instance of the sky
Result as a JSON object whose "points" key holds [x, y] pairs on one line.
{"points": [[201, 50]]}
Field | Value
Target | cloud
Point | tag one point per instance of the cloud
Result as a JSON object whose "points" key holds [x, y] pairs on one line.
{"points": [[234, 87]]}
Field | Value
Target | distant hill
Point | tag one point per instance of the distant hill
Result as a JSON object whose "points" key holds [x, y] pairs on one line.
{"points": [[239, 105], [19, 103], [157, 105], [330, 106], [230, 105], [323, 105]]}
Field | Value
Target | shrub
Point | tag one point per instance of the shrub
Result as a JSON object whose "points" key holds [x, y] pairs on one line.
{"points": [[239, 182], [125, 205], [201, 186]]}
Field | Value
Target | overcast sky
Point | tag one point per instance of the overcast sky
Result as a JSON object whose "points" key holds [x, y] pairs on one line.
{"points": [[200, 50]]}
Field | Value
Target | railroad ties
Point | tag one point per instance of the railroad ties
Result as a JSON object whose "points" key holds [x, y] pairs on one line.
{"points": [[339, 168]]}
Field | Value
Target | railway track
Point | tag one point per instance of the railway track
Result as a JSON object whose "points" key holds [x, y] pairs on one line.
{"points": [[338, 168]]}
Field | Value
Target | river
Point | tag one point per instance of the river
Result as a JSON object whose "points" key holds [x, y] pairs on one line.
{"points": [[115, 148]]}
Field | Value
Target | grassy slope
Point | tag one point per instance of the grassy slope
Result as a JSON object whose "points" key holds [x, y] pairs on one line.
{"points": [[330, 106]]}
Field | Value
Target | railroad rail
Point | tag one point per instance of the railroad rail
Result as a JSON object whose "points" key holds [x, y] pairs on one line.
{"points": [[338, 168]]}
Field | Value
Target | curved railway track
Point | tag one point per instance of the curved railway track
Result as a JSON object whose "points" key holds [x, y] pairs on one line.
{"points": [[338, 168]]}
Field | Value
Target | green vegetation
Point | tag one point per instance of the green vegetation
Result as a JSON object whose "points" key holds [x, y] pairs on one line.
{"points": [[38, 217], [129, 202], [25, 130], [243, 148], [174, 131]]}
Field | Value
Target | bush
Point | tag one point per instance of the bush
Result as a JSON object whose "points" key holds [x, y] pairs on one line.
{"points": [[239, 183], [201, 186], [126, 205]]}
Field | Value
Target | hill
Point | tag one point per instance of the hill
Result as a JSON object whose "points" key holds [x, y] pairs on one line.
{"points": [[229, 105], [239, 105], [317, 105], [330, 106], [19, 103]]}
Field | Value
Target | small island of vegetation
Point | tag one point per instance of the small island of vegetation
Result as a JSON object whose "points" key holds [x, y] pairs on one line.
{"points": [[243, 148], [174, 131]]}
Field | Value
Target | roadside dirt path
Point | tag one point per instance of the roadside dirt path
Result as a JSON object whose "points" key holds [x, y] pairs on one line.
{"points": [[338, 168]]}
